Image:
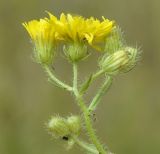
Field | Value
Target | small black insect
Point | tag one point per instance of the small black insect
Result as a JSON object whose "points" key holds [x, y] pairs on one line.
{"points": [[65, 138]]}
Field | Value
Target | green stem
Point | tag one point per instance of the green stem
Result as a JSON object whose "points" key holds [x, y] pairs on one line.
{"points": [[56, 80], [89, 128], [88, 82], [85, 146], [97, 74], [88, 121], [75, 79], [104, 88]]}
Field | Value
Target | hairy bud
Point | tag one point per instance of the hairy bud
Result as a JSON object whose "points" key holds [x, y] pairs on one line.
{"points": [[44, 54], [74, 124], [64, 128], [75, 52], [115, 41], [58, 127], [134, 56], [119, 62]]}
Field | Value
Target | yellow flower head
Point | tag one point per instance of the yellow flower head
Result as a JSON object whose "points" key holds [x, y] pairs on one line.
{"points": [[78, 29], [75, 31], [98, 30], [44, 36]]}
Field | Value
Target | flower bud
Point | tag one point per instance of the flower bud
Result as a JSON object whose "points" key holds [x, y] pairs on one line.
{"points": [[134, 56], [120, 61], [74, 124], [58, 127], [115, 41], [75, 52], [44, 54]]}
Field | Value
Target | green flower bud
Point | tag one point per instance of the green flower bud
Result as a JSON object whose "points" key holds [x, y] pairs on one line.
{"points": [[134, 56], [75, 52], [120, 61], [44, 53], [58, 127], [115, 41], [74, 124]]}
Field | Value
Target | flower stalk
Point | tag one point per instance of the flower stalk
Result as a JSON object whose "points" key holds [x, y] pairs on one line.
{"points": [[76, 34], [85, 146], [103, 89], [56, 80], [86, 113]]}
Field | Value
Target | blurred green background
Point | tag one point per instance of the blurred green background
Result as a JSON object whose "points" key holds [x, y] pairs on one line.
{"points": [[129, 115]]}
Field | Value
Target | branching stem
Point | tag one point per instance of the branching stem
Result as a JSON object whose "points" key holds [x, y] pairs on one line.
{"points": [[103, 89], [86, 111], [56, 80], [85, 145], [97, 74], [86, 114]]}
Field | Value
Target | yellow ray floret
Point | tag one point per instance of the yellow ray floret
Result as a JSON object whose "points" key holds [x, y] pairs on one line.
{"points": [[44, 36], [41, 30], [98, 30], [79, 29], [69, 28]]}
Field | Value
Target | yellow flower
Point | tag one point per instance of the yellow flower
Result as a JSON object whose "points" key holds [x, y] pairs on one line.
{"points": [[75, 31], [98, 30], [44, 36], [80, 30]]}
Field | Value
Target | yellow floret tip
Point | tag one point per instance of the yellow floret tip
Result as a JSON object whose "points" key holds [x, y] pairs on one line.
{"points": [[41, 30], [70, 28], [79, 29]]}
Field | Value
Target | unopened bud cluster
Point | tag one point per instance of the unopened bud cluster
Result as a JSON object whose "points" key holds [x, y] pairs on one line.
{"points": [[64, 128]]}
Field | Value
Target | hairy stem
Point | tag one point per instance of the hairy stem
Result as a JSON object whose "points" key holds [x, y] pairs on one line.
{"points": [[85, 145], [103, 89], [91, 78], [75, 79], [88, 121], [89, 128], [97, 74], [56, 80]]}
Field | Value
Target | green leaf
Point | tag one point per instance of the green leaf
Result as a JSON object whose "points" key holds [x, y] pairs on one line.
{"points": [[86, 84], [94, 149]]}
